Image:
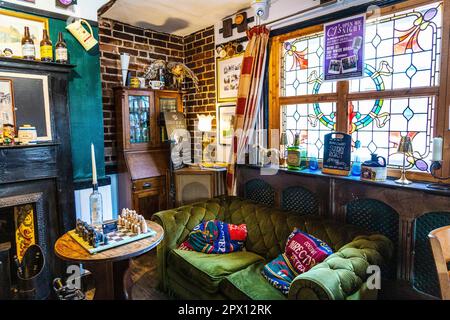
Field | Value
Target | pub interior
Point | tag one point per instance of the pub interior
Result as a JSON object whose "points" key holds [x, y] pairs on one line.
{"points": [[224, 150]]}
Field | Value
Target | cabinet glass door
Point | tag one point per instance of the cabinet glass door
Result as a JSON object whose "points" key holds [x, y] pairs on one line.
{"points": [[139, 119], [168, 104]]}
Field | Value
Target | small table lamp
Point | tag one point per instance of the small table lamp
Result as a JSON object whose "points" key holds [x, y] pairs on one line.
{"points": [[204, 125], [404, 147]]}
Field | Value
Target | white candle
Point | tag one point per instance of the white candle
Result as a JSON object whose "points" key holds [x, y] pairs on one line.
{"points": [[437, 149], [94, 167]]}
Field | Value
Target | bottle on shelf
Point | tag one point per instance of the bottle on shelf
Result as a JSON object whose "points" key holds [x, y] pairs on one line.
{"points": [[46, 47], [296, 158], [356, 161], [96, 206], [28, 48], [61, 52]]}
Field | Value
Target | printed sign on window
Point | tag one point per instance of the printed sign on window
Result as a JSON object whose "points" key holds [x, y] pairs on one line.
{"points": [[344, 48]]}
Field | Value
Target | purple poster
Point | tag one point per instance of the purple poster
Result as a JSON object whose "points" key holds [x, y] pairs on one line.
{"points": [[344, 48]]}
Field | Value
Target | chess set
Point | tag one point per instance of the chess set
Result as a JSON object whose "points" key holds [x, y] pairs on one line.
{"points": [[129, 227]]}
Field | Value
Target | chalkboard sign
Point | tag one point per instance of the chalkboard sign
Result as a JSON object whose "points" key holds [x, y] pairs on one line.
{"points": [[337, 153]]}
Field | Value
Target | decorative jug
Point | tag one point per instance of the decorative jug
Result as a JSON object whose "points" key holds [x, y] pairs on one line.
{"points": [[85, 38]]}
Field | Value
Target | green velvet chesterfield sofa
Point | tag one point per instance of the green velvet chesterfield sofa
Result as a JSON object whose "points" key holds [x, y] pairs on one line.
{"points": [[194, 275]]}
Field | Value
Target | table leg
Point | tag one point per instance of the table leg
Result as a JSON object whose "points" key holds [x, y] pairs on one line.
{"points": [[108, 279]]}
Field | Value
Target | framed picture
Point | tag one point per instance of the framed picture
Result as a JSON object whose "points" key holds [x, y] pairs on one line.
{"points": [[12, 25], [228, 72], [31, 100], [7, 112], [226, 121]]}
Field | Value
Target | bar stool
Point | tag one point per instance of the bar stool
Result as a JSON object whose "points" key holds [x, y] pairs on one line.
{"points": [[440, 244]]}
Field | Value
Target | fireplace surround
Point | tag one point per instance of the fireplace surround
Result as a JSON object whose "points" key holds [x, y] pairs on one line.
{"points": [[41, 175]]}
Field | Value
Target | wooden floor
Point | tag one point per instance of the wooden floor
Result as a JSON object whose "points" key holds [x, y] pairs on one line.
{"points": [[144, 276]]}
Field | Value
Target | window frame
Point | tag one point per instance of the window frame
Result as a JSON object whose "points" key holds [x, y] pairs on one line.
{"points": [[343, 96]]}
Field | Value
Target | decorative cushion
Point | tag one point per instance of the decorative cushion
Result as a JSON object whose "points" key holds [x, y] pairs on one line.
{"points": [[280, 273], [207, 270], [305, 251], [216, 237]]}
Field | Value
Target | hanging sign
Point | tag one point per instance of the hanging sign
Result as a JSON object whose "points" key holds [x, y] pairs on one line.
{"points": [[344, 48]]}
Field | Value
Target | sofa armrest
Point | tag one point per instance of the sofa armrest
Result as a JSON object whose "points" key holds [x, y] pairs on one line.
{"points": [[344, 272]]}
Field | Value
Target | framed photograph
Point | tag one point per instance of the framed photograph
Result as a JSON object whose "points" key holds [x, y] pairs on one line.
{"points": [[12, 25], [7, 112], [31, 101], [228, 72], [226, 121]]}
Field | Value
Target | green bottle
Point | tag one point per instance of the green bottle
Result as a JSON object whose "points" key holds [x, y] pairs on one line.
{"points": [[296, 158]]}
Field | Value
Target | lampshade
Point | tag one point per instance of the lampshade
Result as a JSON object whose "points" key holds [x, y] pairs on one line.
{"points": [[405, 145], [204, 122], [284, 139]]}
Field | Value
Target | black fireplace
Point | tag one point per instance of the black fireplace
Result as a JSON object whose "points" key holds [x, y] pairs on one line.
{"points": [[36, 181]]}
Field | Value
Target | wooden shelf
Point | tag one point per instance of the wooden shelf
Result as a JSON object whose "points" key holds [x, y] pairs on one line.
{"points": [[23, 146], [35, 65]]}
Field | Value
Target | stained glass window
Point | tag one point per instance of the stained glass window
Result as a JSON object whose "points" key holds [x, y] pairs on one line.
{"points": [[402, 51], [400, 117], [301, 118], [302, 72]]}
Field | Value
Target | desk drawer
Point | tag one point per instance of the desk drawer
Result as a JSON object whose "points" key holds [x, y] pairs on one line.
{"points": [[148, 184]]}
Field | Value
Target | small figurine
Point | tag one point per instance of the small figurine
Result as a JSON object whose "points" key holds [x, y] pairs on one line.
{"points": [[8, 134], [8, 53]]}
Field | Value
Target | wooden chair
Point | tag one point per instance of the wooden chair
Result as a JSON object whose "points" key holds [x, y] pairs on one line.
{"points": [[440, 244]]}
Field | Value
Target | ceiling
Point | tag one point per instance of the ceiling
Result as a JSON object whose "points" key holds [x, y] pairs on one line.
{"points": [[179, 17]]}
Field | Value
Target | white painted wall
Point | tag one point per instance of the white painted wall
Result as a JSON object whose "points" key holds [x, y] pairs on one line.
{"points": [[86, 9], [82, 203]]}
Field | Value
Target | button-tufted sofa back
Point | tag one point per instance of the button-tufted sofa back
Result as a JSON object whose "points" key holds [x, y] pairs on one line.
{"points": [[268, 228]]}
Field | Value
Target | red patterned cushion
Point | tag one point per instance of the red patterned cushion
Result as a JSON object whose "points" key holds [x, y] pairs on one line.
{"points": [[305, 251]]}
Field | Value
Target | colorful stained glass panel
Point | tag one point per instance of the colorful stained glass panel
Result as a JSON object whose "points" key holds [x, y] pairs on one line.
{"points": [[302, 69], [409, 45], [410, 116], [312, 121]]}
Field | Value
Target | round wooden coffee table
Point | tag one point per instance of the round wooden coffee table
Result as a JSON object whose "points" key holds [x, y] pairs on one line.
{"points": [[108, 267]]}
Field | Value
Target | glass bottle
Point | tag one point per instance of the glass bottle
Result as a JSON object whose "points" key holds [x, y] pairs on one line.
{"points": [[162, 78], [61, 52], [296, 158], [356, 165], [28, 48], [46, 47], [96, 206]]}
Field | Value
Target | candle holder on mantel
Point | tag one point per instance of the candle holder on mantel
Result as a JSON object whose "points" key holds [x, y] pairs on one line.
{"points": [[436, 165]]}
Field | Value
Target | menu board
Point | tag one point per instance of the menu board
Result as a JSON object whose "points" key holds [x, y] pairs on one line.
{"points": [[344, 48], [337, 153]]}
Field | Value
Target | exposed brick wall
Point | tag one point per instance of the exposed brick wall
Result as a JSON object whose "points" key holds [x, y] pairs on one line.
{"points": [[143, 46], [199, 56], [195, 50]]}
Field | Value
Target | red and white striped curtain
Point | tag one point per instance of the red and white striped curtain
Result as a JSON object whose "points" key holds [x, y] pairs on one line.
{"points": [[249, 99]]}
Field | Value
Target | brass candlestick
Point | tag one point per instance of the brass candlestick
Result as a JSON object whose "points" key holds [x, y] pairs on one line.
{"points": [[283, 143], [404, 147]]}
